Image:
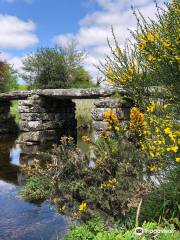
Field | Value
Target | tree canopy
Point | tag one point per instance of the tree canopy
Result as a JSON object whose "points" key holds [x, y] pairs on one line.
{"points": [[57, 67], [7, 77]]}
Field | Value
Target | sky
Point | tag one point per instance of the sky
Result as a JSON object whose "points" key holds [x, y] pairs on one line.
{"points": [[26, 25]]}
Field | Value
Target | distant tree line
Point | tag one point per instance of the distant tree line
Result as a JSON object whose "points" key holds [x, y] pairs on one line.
{"points": [[56, 67], [7, 77], [48, 67]]}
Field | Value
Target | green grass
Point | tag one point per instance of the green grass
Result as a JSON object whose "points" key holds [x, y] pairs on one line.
{"points": [[15, 112], [96, 230], [83, 113], [23, 87]]}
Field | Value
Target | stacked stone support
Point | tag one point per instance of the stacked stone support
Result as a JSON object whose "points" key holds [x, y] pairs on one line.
{"points": [[46, 119], [120, 107], [7, 122]]}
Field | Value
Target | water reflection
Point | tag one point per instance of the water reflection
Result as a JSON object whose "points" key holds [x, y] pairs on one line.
{"points": [[15, 155], [19, 219]]}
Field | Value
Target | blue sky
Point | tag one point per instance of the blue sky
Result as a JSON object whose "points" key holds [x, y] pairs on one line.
{"points": [[26, 25], [51, 17]]}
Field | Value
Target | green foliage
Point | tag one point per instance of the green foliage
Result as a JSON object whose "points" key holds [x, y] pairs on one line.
{"points": [[35, 189], [14, 111], [81, 79], [164, 201], [150, 59], [22, 87], [7, 78], [123, 170], [83, 113], [111, 188], [101, 232], [58, 67]]}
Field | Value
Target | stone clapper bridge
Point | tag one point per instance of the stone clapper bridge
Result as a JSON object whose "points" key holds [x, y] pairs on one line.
{"points": [[48, 114]]}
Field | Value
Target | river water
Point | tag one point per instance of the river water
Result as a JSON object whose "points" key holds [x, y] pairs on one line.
{"points": [[21, 220]]}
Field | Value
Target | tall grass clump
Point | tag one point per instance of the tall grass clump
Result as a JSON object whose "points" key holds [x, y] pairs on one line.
{"points": [[83, 113]]}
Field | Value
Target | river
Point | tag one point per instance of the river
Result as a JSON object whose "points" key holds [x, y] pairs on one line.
{"points": [[21, 220]]}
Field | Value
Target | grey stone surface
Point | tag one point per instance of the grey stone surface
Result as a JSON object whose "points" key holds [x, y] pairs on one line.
{"points": [[16, 95], [29, 126], [121, 108], [112, 103], [62, 93], [98, 113], [44, 115], [100, 125], [48, 114], [39, 136]]}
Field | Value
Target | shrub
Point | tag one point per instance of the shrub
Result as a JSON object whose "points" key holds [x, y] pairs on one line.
{"points": [[119, 174], [151, 58], [151, 231]]}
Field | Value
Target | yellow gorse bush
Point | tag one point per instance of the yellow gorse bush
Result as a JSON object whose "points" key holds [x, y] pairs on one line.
{"points": [[152, 59], [112, 119], [160, 137], [136, 118]]}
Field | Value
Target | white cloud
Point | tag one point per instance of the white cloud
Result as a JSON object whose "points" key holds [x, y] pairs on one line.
{"points": [[16, 33], [15, 61], [95, 27]]}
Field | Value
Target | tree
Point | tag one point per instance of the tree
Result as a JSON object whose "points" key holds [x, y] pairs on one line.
{"points": [[7, 77], [81, 78], [57, 67]]}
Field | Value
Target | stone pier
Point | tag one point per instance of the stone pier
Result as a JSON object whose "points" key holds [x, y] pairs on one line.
{"points": [[46, 119], [121, 108]]}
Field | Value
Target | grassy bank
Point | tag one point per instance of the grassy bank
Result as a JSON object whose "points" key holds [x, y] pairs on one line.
{"points": [[83, 113], [15, 112], [96, 230]]}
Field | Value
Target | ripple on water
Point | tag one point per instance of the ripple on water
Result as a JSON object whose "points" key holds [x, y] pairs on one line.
{"points": [[21, 220]]}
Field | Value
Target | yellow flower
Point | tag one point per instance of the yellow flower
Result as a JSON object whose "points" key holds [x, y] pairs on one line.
{"points": [[83, 207], [153, 168], [136, 118], [151, 107], [157, 36], [86, 138], [35, 161], [166, 105], [172, 149], [166, 43], [152, 154], [177, 58], [61, 209], [152, 148], [150, 37], [150, 57], [167, 131], [178, 159], [130, 70], [157, 130], [111, 117], [103, 186], [117, 129]]}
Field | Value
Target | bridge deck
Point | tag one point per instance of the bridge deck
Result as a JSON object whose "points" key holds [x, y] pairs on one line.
{"points": [[61, 93]]}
